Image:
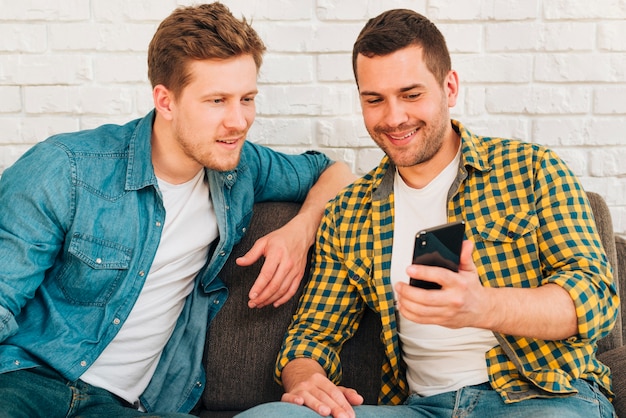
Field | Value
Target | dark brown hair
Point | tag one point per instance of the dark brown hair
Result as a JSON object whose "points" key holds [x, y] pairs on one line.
{"points": [[397, 29], [207, 31]]}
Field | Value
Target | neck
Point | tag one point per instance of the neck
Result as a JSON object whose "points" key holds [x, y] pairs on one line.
{"points": [[169, 161], [420, 175]]}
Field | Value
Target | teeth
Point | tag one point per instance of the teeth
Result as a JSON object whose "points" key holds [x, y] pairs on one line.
{"points": [[405, 136]]}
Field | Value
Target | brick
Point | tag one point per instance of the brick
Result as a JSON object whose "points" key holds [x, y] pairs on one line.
{"points": [[539, 100], [135, 10], [608, 162], [578, 67], [37, 10], [612, 36], [339, 132], [584, 9], [120, 68], [335, 67], [100, 37], [57, 69], [609, 100], [474, 68], [11, 99], [24, 38], [282, 68], [282, 131]]}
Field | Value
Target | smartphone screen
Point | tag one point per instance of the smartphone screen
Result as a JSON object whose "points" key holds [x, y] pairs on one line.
{"points": [[439, 246]]}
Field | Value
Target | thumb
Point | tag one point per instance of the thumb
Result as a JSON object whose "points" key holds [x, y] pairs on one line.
{"points": [[466, 261], [253, 254]]}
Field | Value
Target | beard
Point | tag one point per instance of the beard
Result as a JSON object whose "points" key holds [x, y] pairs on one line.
{"points": [[428, 140], [208, 153]]}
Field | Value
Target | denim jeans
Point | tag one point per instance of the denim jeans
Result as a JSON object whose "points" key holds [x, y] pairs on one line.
{"points": [[478, 401], [41, 392]]}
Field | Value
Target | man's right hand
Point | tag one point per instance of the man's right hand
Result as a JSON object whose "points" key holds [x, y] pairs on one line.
{"points": [[306, 384]]}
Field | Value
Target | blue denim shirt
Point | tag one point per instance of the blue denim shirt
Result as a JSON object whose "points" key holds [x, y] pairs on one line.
{"points": [[81, 217]]}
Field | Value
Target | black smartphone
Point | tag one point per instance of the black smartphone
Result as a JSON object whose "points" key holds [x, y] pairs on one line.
{"points": [[439, 246]]}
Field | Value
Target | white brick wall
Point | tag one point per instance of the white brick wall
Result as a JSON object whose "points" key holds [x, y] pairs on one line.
{"points": [[548, 71]]}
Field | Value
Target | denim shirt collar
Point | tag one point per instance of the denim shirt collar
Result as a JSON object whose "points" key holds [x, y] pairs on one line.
{"points": [[140, 172]]}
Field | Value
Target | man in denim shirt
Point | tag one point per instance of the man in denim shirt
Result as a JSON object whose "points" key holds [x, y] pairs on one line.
{"points": [[111, 239]]}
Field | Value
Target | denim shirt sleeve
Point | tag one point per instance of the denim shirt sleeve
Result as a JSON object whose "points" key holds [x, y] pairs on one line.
{"points": [[35, 207], [281, 177]]}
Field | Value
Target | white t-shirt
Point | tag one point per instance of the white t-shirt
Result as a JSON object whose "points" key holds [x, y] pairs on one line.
{"points": [[127, 364], [438, 359]]}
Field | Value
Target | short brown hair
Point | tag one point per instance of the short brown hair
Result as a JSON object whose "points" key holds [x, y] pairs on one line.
{"points": [[397, 29], [207, 31]]}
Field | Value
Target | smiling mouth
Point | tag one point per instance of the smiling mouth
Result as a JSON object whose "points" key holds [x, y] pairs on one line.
{"points": [[399, 138], [228, 141]]}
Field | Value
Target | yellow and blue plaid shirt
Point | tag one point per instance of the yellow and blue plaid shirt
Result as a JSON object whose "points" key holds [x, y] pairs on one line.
{"points": [[531, 224]]}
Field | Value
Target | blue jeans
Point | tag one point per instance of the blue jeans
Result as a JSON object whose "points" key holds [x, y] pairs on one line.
{"points": [[478, 401], [41, 392]]}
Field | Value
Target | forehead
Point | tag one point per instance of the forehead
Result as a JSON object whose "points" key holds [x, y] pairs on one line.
{"points": [[227, 75], [392, 71]]}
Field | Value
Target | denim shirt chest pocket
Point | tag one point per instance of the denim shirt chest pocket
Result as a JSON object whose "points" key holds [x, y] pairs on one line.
{"points": [[93, 270]]}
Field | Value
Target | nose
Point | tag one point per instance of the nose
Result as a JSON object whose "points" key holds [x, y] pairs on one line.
{"points": [[395, 114], [236, 117]]}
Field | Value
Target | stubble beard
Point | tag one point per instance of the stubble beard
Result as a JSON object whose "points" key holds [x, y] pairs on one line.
{"points": [[207, 158], [429, 144]]}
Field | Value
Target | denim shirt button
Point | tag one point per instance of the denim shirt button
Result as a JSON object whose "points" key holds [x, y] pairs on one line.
{"points": [[158, 223], [222, 253], [216, 302], [142, 273], [83, 363], [16, 362], [116, 321], [244, 230], [98, 261], [199, 384]]}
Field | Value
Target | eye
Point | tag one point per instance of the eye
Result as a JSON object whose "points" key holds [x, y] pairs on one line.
{"points": [[413, 96]]}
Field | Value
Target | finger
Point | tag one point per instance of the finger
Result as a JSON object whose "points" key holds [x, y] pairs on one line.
{"points": [[466, 260], [261, 283], [352, 396], [292, 398], [253, 254], [293, 288], [276, 286]]}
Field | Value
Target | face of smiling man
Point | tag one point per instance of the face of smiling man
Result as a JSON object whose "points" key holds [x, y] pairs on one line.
{"points": [[406, 111]]}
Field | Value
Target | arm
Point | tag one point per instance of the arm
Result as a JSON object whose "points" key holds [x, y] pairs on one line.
{"points": [[559, 282], [546, 312], [34, 204], [285, 250]]}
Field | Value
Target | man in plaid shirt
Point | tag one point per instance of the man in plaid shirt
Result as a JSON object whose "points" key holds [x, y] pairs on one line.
{"points": [[514, 331]]}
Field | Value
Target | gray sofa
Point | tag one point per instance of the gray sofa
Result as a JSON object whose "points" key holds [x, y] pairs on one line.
{"points": [[242, 343]]}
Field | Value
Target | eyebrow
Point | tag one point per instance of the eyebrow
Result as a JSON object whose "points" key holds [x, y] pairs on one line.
{"points": [[402, 90], [228, 94]]}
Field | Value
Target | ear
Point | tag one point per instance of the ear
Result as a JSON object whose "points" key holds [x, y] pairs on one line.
{"points": [[451, 87], [163, 101]]}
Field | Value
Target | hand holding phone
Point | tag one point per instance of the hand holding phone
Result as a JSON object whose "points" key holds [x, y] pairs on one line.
{"points": [[439, 246]]}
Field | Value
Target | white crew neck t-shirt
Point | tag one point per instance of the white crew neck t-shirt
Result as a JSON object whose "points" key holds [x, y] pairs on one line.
{"points": [[438, 359]]}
